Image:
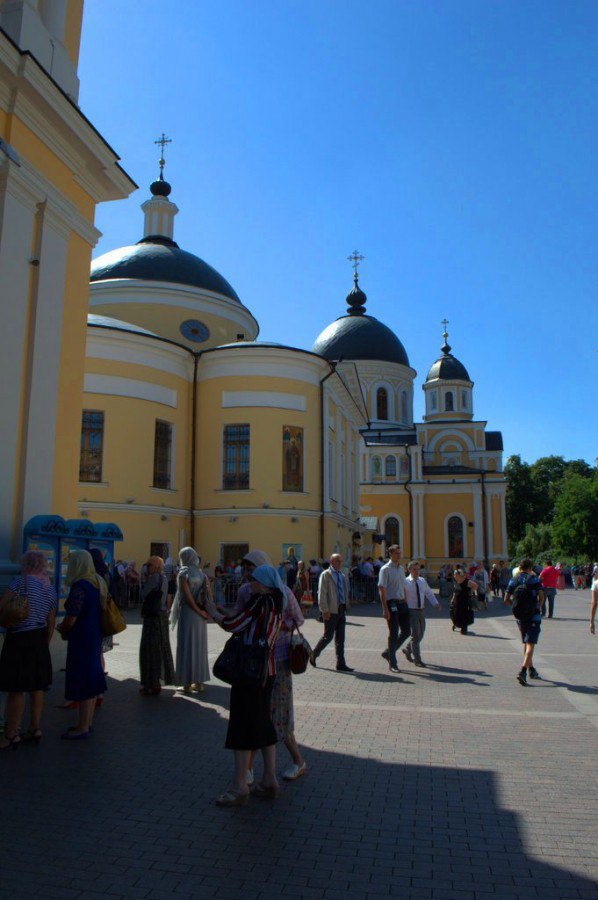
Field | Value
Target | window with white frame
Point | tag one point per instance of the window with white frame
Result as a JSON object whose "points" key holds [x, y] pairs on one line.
{"points": [[390, 466]]}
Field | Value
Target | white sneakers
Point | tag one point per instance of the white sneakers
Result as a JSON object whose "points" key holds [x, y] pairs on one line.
{"points": [[294, 772]]}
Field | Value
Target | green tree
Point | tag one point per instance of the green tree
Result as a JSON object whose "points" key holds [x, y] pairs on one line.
{"points": [[520, 498], [547, 474], [536, 542], [575, 525]]}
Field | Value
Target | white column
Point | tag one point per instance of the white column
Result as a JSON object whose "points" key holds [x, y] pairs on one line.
{"points": [[17, 222], [422, 531], [40, 408], [489, 530], [53, 12], [478, 542], [325, 439]]}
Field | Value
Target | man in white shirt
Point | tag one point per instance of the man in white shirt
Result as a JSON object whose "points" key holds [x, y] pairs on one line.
{"points": [[417, 591], [391, 588]]}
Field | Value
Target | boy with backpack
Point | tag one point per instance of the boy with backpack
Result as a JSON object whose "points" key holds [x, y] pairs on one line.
{"points": [[525, 597]]}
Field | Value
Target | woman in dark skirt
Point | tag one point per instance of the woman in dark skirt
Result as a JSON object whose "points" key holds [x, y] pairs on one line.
{"points": [[155, 655], [25, 664], [461, 610], [250, 722], [85, 679]]}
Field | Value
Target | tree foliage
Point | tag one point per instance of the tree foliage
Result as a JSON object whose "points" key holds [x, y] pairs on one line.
{"points": [[575, 525], [534, 497]]}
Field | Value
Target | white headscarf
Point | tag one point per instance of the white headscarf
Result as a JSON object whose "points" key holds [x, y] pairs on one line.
{"points": [[190, 568]]}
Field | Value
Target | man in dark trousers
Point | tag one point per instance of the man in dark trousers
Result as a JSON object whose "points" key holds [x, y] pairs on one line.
{"points": [[333, 599]]}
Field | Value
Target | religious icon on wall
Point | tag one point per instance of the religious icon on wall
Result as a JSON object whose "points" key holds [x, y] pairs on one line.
{"points": [[292, 458]]}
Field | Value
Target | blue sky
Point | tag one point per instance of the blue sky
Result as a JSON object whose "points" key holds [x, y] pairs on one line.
{"points": [[452, 142]]}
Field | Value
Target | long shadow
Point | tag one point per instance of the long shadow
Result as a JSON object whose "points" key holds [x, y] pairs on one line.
{"points": [[575, 688]]}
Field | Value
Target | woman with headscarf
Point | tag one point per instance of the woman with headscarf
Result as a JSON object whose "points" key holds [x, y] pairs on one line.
{"points": [[250, 721], [25, 663], [190, 618], [103, 571], [85, 679], [155, 655]]}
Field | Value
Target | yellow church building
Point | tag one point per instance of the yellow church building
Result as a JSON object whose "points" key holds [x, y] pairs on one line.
{"points": [[195, 432], [137, 392]]}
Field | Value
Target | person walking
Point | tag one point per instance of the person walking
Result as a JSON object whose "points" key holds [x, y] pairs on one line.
{"points": [[549, 579], [333, 599], [525, 596], [417, 591], [391, 588], [155, 654], [461, 608]]}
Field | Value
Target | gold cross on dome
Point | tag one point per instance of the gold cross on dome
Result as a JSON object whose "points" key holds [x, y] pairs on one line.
{"points": [[355, 259], [444, 323], [162, 142]]}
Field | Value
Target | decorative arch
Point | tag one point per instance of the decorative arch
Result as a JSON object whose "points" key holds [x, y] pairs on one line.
{"points": [[452, 433], [392, 529], [376, 467], [390, 412], [455, 536], [390, 466], [382, 404]]}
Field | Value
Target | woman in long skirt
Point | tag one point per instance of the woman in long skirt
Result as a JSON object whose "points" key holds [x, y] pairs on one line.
{"points": [[155, 655], [190, 618], [461, 608]]}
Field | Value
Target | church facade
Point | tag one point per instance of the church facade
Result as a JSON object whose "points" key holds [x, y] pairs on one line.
{"points": [[194, 431]]}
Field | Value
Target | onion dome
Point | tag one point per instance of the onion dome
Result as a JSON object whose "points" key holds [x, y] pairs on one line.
{"points": [[447, 367], [160, 188], [359, 336]]}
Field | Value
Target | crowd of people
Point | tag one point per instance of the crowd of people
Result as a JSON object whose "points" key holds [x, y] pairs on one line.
{"points": [[269, 607]]}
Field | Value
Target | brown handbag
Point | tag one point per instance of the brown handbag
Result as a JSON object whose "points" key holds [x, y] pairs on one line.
{"points": [[14, 607], [299, 652]]}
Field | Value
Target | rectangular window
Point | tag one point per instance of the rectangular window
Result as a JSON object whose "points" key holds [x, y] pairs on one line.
{"points": [[292, 458], [158, 548], [163, 455], [92, 446], [235, 468]]}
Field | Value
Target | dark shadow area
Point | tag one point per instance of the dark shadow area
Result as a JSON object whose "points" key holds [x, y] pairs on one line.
{"points": [[130, 813], [575, 688]]}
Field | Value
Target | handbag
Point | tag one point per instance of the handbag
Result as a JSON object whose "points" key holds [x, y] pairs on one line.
{"points": [[306, 599], [241, 662], [111, 618], [14, 607], [299, 652]]}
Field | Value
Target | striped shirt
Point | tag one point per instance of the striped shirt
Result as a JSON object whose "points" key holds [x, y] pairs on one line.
{"points": [[41, 597], [250, 621]]}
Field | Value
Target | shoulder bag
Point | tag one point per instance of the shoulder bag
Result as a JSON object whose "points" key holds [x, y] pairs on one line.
{"points": [[299, 652], [111, 618], [14, 606], [241, 662]]}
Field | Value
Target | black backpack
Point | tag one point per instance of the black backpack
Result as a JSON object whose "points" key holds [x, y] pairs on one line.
{"points": [[523, 601]]}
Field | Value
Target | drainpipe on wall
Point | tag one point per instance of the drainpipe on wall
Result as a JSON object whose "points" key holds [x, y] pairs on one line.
{"points": [[407, 483], [484, 522], [323, 455], [193, 452]]}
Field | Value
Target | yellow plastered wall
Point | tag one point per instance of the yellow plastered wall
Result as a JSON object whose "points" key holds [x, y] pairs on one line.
{"points": [[496, 522], [141, 529], [72, 29], [129, 430], [386, 504], [70, 378], [266, 424], [27, 144], [436, 508], [260, 532]]}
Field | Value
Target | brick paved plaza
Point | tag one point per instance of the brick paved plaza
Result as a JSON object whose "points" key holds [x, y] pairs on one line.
{"points": [[451, 781]]}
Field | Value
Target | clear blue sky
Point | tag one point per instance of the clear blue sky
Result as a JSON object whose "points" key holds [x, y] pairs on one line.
{"points": [[452, 142]]}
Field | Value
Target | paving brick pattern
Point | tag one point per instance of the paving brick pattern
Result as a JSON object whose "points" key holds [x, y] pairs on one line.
{"points": [[446, 782]]}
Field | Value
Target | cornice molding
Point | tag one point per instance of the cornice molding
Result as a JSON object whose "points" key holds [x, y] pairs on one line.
{"points": [[138, 349]]}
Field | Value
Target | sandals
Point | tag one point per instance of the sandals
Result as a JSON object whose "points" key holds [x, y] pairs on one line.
{"points": [[32, 736], [13, 742], [267, 792], [232, 798]]}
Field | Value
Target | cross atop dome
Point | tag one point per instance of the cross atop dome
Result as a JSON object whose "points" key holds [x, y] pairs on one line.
{"points": [[161, 188], [446, 349], [356, 298]]}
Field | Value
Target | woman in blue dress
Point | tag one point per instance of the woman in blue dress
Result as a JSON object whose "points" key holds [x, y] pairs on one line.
{"points": [[85, 679], [189, 617]]}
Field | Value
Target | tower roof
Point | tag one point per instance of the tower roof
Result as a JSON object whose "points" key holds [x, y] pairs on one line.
{"points": [[447, 367]]}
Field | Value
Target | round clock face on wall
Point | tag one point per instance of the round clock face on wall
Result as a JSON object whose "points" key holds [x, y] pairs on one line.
{"points": [[194, 330]]}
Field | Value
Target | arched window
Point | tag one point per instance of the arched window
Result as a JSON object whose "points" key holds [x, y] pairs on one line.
{"points": [[390, 464], [376, 467], [449, 403], [433, 402], [455, 537], [464, 399], [404, 417], [404, 465], [382, 404], [391, 531]]}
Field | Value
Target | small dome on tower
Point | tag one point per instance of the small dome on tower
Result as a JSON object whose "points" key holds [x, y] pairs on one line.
{"points": [[447, 367], [160, 188]]}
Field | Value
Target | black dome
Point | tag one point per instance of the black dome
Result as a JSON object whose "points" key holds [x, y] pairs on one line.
{"points": [[160, 259], [360, 337], [447, 368]]}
